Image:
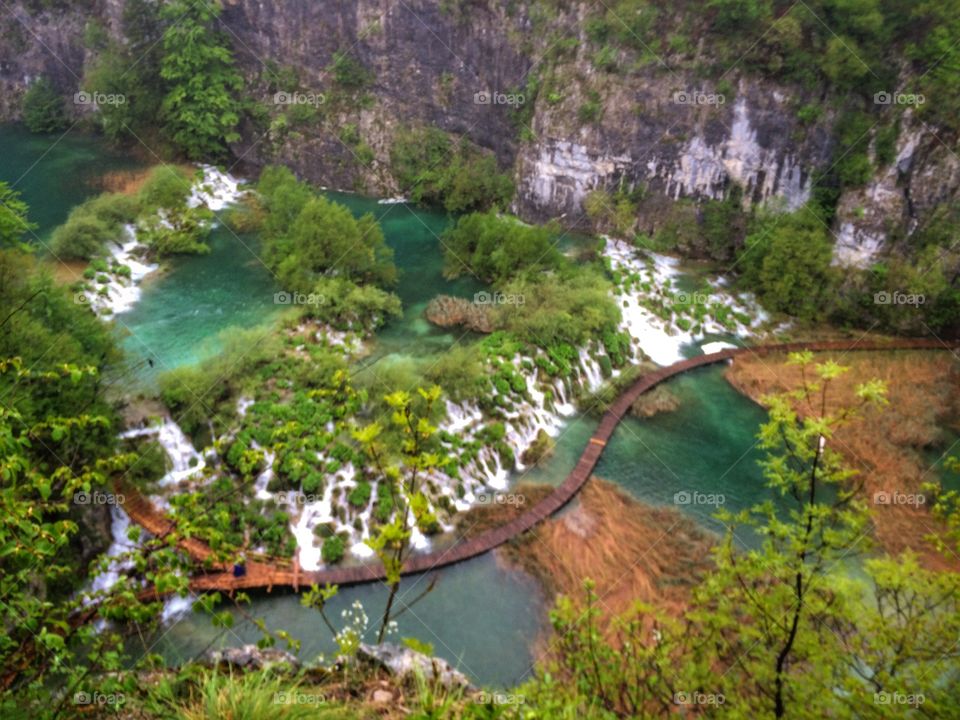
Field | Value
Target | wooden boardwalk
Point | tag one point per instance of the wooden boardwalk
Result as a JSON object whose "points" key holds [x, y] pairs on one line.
{"points": [[267, 573]]}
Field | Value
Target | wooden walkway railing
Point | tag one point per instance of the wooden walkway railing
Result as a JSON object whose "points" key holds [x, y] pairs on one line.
{"points": [[268, 574]]}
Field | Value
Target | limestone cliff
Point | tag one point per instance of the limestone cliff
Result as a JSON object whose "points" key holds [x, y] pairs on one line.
{"points": [[456, 64]]}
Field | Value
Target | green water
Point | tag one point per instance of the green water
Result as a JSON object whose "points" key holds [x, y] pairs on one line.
{"points": [[182, 311], [480, 617], [707, 446], [414, 236], [54, 172]]}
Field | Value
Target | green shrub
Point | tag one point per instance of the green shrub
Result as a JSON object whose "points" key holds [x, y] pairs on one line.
{"points": [[81, 237], [165, 187], [360, 495], [42, 108], [332, 550], [91, 225], [437, 170], [495, 248]]}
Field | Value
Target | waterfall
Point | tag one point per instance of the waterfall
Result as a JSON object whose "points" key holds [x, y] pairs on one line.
{"points": [[590, 370], [216, 191], [121, 293], [119, 525], [651, 279]]}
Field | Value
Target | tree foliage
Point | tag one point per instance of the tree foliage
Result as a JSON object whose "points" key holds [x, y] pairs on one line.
{"points": [[201, 105], [494, 248], [435, 169], [43, 107]]}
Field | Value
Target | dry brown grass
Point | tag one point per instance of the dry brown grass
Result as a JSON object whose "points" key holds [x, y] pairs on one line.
{"points": [[885, 445], [633, 552], [129, 182]]}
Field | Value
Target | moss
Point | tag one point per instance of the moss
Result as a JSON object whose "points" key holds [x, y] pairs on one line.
{"points": [[541, 448], [333, 549]]}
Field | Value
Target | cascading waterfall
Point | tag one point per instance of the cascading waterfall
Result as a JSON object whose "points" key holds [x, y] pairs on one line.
{"points": [[120, 293], [186, 462], [120, 544], [662, 340]]}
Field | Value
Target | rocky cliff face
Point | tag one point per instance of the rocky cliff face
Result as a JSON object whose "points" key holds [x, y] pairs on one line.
{"points": [[656, 128], [649, 137]]}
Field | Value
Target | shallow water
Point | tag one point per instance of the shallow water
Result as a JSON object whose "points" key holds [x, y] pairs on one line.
{"points": [[707, 446], [56, 172], [182, 310], [481, 617]]}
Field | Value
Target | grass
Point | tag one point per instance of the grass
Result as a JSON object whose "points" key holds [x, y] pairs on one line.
{"points": [[221, 695], [601, 537], [887, 446]]}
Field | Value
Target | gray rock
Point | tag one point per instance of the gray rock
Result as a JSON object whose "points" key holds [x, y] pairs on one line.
{"points": [[382, 697], [250, 657], [402, 662]]}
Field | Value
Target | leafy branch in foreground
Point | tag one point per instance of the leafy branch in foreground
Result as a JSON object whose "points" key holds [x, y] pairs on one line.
{"points": [[403, 466]]}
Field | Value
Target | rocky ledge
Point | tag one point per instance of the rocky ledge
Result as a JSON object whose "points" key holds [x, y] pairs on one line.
{"points": [[403, 662]]}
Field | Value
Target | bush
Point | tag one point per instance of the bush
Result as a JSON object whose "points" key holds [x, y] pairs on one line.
{"points": [[566, 309], [42, 108], [181, 230], [360, 495], [496, 248], [165, 187], [91, 225], [434, 170], [332, 550], [786, 261], [80, 238], [344, 304]]}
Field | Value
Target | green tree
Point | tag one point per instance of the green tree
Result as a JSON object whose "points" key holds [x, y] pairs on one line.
{"points": [[782, 629], [43, 107], [436, 169], [786, 260], [403, 461], [116, 72], [14, 223], [768, 612], [201, 107], [495, 248], [326, 240]]}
